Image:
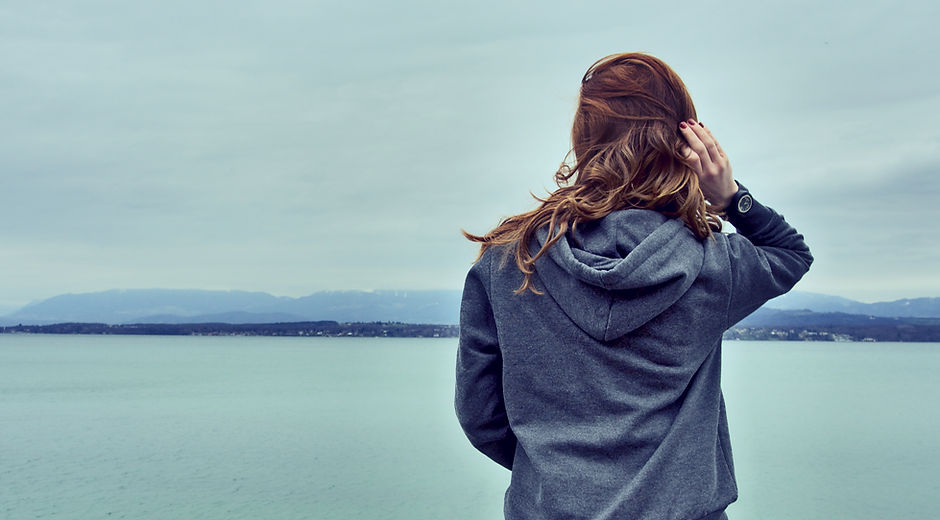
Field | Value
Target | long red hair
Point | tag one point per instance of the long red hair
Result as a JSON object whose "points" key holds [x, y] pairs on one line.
{"points": [[627, 152]]}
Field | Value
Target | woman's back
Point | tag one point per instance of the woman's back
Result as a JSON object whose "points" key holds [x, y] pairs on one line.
{"points": [[611, 378]]}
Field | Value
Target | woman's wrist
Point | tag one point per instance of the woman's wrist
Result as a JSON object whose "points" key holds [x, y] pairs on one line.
{"points": [[722, 202]]}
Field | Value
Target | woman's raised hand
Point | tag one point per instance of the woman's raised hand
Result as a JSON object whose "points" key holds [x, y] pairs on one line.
{"points": [[706, 158]]}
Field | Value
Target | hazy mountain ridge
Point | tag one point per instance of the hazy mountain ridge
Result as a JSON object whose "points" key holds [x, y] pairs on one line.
{"points": [[122, 306], [816, 302], [767, 317]]}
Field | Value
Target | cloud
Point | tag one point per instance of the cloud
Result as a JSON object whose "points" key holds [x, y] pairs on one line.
{"points": [[288, 147]]}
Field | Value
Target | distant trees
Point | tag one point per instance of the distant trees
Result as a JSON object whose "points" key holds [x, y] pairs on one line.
{"points": [[306, 328]]}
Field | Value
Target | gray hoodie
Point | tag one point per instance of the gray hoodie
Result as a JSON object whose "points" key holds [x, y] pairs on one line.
{"points": [[603, 395]]}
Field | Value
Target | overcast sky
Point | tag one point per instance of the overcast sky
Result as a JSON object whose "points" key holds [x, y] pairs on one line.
{"points": [[296, 146]]}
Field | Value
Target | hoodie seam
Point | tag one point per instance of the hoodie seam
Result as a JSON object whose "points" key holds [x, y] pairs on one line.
{"points": [[610, 316], [730, 271]]}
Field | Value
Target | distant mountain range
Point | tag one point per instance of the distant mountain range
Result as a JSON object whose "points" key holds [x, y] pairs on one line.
{"points": [[199, 306], [419, 307], [905, 308]]}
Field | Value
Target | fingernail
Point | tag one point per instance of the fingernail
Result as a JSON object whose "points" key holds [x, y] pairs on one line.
{"points": [[701, 124], [683, 125], [692, 122]]}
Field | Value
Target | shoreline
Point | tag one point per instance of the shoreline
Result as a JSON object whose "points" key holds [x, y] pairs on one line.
{"points": [[905, 333]]}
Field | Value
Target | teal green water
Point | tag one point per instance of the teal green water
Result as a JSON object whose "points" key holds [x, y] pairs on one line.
{"points": [[342, 428]]}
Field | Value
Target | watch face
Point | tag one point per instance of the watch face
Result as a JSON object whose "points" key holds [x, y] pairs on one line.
{"points": [[745, 203]]}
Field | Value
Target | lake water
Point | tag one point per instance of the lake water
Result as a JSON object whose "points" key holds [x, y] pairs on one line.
{"points": [[156, 427]]}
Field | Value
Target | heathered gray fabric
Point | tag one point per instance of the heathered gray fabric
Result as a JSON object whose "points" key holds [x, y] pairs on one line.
{"points": [[603, 395]]}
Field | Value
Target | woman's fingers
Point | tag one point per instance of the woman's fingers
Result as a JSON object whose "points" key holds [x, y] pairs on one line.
{"points": [[709, 153], [696, 151], [709, 162], [708, 141], [721, 152]]}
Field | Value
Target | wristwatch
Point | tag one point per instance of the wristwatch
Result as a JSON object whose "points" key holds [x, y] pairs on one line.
{"points": [[741, 202]]}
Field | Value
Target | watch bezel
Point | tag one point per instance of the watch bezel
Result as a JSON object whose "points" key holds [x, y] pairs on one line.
{"points": [[744, 203]]}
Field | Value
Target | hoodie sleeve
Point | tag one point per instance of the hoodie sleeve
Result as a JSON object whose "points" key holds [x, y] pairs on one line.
{"points": [[767, 256], [479, 394]]}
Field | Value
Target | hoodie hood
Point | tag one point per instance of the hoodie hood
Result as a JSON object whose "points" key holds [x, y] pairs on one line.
{"points": [[616, 274]]}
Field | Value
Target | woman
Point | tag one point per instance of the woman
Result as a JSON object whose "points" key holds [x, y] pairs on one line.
{"points": [[589, 358]]}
